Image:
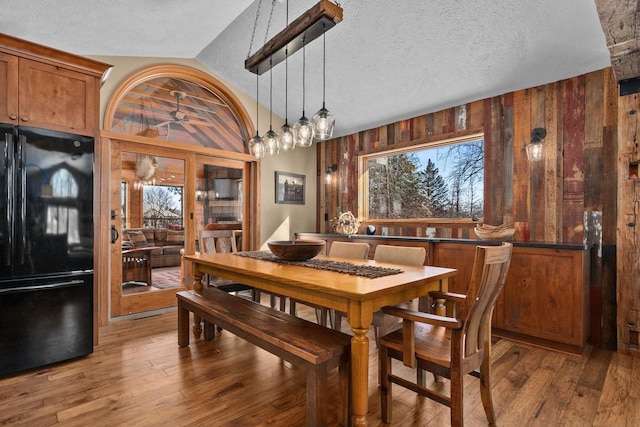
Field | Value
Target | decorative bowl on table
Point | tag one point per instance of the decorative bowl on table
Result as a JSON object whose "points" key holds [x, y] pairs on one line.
{"points": [[495, 232], [296, 250]]}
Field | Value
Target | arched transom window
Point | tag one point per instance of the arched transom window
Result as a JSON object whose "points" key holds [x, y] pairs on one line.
{"points": [[180, 110]]}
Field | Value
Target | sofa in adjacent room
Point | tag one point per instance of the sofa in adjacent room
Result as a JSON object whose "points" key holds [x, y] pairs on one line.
{"points": [[166, 244]]}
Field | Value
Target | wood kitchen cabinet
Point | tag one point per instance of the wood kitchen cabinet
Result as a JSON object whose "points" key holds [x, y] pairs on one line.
{"points": [[545, 300], [8, 88], [48, 89]]}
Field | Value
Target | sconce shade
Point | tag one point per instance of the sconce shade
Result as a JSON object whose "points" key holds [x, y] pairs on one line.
{"points": [[328, 172], [535, 149]]}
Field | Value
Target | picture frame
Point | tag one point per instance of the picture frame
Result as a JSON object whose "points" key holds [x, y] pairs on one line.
{"points": [[290, 188]]}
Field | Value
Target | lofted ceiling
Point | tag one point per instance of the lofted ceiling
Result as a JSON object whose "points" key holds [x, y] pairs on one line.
{"points": [[386, 61]]}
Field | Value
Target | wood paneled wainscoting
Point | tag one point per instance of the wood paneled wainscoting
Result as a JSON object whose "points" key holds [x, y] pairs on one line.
{"points": [[545, 300]]}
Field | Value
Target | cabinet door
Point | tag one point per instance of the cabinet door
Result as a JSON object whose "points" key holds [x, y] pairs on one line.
{"points": [[56, 98], [8, 88]]}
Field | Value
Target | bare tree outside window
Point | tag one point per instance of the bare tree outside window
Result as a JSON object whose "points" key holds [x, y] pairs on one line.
{"points": [[162, 205], [439, 182]]}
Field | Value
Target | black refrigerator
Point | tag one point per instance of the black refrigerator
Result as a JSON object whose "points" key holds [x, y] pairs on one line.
{"points": [[46, 247]]}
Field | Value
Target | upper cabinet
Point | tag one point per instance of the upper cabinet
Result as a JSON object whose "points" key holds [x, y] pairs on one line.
{"points": [[49, 89], [8, 88]]}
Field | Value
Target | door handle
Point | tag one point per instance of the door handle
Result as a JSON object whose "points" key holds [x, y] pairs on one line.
{"points": [[114, 234]]}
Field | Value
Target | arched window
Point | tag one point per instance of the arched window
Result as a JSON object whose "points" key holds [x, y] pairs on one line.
{"points": [[180, 104]]}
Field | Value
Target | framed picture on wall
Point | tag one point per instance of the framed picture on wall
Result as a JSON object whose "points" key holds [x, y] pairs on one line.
{"points": [[290, 188]]}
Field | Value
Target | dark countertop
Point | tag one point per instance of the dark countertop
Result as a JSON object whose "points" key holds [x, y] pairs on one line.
{"points": [[548, 245]]}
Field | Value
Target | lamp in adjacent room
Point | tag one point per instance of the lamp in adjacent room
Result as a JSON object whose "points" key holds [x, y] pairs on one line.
{"points": [[535, 149]]}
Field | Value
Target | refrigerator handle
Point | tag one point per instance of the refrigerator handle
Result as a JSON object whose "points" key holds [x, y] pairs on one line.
{"points": [[9, 199], [22, 199]]}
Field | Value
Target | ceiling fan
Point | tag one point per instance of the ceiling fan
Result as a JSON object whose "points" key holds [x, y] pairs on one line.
{"points": [[177, 116]]}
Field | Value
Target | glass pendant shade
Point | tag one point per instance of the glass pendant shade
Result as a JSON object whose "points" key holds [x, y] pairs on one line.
{"points": [[271, 143], [286, 137], [304, 132], [323, 123], [257, 147]]}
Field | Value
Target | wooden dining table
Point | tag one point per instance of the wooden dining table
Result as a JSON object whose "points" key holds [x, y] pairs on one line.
{"points": [[357, 296]]}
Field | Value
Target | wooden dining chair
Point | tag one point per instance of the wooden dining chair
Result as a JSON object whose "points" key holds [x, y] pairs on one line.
{"points": [[351, 250], [407, 255], [449, 346], [222, 241], [348, 250]]}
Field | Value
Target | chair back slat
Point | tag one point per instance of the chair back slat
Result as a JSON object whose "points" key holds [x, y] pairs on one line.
{"points": [[487, 280], [217, 241]]}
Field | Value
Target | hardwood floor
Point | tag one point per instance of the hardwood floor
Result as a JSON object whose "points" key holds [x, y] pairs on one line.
{"points": [[139, 376]]}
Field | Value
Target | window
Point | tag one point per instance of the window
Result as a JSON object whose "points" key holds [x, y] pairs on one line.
{"points": [[441, 180], [162, 206]]}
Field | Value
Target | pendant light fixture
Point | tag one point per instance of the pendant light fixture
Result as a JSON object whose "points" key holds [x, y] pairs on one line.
{"points": [[270, 139], [306, 28], [303, 129], [285, 134], [256, 146], [323, 120]]}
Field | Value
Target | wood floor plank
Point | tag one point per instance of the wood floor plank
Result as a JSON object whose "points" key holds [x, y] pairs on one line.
{"points": [[139, 377], [614, 398]]}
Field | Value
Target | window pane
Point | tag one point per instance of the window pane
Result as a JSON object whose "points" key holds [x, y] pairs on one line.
{"points": [[162, 206], [440, 182]]}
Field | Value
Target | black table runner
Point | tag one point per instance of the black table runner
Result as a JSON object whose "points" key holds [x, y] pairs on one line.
{"points": [[368, 271]]}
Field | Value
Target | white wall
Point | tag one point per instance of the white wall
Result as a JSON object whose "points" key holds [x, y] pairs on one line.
{"points": [[281, 221], [277, 221]]}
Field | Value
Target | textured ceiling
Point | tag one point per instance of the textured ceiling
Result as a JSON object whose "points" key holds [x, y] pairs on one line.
{"points": [[388, 60]]}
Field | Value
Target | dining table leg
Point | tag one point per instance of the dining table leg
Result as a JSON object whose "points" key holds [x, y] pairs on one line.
{"points": [[360, 375]]}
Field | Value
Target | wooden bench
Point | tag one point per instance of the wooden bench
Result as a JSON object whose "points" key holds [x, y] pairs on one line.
{"points": [[305, 344]]}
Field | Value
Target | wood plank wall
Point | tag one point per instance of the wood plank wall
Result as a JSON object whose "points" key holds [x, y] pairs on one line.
{"points": [[628, 265], [568, 197], [546, 200]]}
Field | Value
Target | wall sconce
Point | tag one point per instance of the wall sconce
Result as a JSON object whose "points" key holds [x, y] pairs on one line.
{"points": [[199, 195], [535, 148], [329, 171]]}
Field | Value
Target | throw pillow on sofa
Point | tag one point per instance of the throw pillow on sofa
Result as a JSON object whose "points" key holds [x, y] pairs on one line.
{"points": [[137, 238], [175, 237]]}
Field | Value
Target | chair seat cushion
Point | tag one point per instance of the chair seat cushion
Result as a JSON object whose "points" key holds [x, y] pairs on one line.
{"points": [[433, 343]]}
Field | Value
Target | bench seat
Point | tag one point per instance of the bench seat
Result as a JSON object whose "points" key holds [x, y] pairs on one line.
{"points": [[305, 344]]}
